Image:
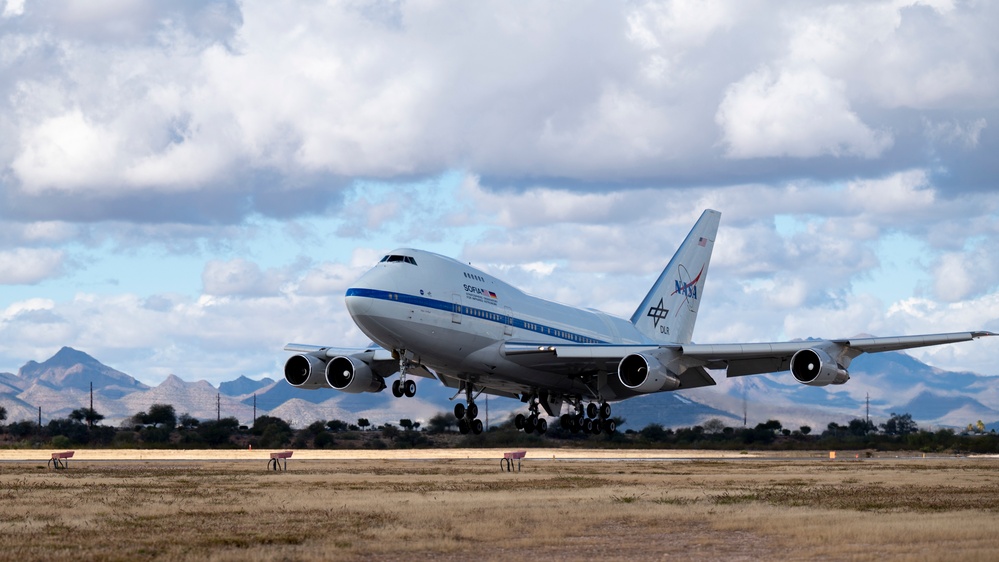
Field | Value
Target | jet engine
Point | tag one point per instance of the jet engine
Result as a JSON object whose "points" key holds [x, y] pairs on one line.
{"points": [[352, 375], [305, 371], [814, 367], [644, 373]]}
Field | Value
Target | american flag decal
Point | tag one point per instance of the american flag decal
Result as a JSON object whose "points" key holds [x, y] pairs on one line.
{"points": [[702, 241]]}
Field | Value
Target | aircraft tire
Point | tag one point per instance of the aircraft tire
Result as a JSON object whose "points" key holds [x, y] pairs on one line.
{"points": [[596, 427], [587, 426], [472, 411], [397, 389], [476, 426], [605, 410], [463, 426], [566, 422], [531, 425], [542, 426], [409, 389], [591, 410], [610, 426], [459, 411], [520, 421]]}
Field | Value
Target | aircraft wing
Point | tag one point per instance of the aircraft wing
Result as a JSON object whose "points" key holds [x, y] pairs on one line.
{"points": [[591, 359], [692, 359], [758, 358]]}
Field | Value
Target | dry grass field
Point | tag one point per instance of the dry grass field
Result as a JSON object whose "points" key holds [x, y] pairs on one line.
{"points": [[466, 508]]}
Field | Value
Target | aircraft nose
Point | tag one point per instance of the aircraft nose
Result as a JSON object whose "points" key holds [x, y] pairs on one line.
{"points": [[357, 303]]}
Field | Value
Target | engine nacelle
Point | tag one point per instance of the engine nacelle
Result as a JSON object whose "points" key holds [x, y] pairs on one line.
{"points": [[352, 375], [644, 373], [814, 367], [305, 371]]}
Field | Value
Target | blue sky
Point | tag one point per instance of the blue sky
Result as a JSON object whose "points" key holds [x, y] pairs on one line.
{"points": [[187, 186]]}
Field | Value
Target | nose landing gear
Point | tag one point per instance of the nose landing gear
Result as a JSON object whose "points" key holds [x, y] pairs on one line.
{"points": [[402, 386]]}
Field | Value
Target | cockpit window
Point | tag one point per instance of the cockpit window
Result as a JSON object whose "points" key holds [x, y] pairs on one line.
{"points": [[393, 258]]}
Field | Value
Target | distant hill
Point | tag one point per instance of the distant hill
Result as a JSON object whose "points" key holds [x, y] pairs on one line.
{"points": [[244, 385], [894, 382]]}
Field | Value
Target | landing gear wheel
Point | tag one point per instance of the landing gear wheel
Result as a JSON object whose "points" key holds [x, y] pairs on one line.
{"points": [[476, 426], [605, 410], [591, 410], [409, 389], [459, 411], [463, 426], [587, 426], [566, 422], [610, 426], [596, 427], [472, 411], [529, 424], [542, 426], [520, 421], [397, 388]]}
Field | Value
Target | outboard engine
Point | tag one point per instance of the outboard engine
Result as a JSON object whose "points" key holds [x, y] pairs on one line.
{"points": [[814, 367], [305, 371], [352, 375]]}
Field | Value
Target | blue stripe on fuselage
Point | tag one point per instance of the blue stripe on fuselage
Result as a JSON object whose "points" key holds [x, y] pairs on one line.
{"points": [[471, 312]]}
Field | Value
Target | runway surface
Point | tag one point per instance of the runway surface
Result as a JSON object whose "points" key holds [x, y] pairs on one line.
{"points": [[85, 455]]}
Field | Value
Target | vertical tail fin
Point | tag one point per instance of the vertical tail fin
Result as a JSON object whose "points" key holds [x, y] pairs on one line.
{"points": [[668, 312]]}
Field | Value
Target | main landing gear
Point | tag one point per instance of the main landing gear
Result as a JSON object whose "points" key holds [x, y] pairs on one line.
{"points": [[468, 415], [402, 386], [594, 419], [533, 422]]}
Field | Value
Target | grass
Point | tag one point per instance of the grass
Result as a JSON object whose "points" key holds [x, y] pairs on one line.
{"points": [[456, 509]]}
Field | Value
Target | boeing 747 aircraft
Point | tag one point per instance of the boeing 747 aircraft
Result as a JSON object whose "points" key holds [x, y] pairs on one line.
{"points": [[434, 317]]}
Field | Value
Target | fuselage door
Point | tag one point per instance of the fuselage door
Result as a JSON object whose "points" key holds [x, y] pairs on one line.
{"points": [[456, 308], [508, 328]]}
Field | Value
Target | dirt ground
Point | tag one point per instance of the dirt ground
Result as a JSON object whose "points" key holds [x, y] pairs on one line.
{"points": [[459, 504]]}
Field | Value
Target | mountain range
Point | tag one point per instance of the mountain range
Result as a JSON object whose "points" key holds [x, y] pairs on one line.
{"points": [[884, 383]]}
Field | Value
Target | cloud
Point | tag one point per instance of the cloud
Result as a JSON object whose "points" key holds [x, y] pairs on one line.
{"points": [[792, 113], [27, 266], [241, 278]]}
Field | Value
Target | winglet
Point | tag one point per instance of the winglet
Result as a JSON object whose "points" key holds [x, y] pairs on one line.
{"points": [[668, 312]]}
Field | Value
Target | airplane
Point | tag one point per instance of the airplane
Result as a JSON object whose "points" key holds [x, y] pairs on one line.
{"points": [[434, 317]]}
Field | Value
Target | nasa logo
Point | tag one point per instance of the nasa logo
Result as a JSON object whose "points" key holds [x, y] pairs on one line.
{"points": [[686, 286]]}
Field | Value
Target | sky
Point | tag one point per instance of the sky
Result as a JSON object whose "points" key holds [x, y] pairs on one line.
{"points": [[187, 186]]}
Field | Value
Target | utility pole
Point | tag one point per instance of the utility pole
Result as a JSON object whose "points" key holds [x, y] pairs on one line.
{"points": [[866, 429], [39, 417], [254, 408], [218, 407], [745, 408]]}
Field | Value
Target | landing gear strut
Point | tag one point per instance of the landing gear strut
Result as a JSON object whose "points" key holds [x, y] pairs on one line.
{"points": [[402, 386], [467, 415]]}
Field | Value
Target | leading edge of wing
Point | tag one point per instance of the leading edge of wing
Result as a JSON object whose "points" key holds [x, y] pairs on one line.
{"points": [[576, 350], [377, 352]]}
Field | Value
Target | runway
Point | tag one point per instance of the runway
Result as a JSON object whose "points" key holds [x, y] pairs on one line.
{"points": [[557, 454]]}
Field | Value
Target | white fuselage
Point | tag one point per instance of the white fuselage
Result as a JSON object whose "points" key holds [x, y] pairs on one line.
{"points": [[454, 319]]}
